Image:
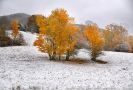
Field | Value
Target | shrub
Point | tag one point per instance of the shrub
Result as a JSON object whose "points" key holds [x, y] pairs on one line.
{"points": [[5, 41], [19, 40], [122, 47], [2, 31], [82, 44]]}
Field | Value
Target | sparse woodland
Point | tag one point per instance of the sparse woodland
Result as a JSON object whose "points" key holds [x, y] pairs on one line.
{"points": [[54, 53], [58, 35]]}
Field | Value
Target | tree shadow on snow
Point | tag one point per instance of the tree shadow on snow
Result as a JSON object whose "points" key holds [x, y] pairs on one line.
{"points": [[101, 62], [79, 61]]}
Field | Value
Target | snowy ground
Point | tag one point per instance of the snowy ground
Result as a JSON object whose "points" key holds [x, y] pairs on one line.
{"points": [[29, 38], [28, 68]]}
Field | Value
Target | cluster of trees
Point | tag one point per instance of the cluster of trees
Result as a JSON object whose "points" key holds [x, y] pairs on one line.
{"points": [[22, 27], [57, 34], [17, 37], [31, 25], [113, 34], [117, 38], [4, 40]]}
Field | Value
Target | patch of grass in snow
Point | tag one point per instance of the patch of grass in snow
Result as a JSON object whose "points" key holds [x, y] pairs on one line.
{"points": [[71, 62], [74, 61], [79, 61]]}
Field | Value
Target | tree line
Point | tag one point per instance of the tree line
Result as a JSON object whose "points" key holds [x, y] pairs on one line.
{"points": [[17, 39], [57, 35]]}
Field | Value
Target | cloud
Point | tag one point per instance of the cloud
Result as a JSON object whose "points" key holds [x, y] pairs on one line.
{"points": [[102, 12]]}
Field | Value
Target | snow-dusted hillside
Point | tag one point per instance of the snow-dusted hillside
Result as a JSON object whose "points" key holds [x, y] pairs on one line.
{"points": [[28, 68], [28, 37]]}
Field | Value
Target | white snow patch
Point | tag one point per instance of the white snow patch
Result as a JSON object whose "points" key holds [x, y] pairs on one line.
{"points": [[28, 36], [26, 67]]}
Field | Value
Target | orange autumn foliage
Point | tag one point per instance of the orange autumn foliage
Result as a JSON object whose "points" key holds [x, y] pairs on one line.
{"points": [[113, 34], [96, 40], [56, 33], [130, 41], [71, 37], [15, 30], [43, 44]]}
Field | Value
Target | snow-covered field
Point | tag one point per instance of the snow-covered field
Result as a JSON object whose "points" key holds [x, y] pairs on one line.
{"points": [[28, 68]]}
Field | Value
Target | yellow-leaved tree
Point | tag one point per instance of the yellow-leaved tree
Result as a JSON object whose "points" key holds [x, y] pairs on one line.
{"points": [[53, 38], [95, 39], [130, 41], [108, 37], [71, 39], [113, 34], [15, 30], [45, 41]]}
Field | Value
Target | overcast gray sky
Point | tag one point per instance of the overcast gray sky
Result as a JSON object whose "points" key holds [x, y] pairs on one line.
{"points": [[102, 12]]}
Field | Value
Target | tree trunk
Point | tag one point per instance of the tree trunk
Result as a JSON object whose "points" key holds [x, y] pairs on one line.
{"points": [[53, 57], [49, 57], [54, 53], [93, 59], [67, 55], [59, 57]]}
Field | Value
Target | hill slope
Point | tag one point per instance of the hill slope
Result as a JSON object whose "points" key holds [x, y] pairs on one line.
{"points": [[26, 67], [28, 37], [22, 17]]}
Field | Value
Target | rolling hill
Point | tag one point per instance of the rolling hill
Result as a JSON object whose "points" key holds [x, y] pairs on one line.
{"points": [[22, 17]]}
